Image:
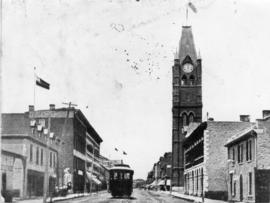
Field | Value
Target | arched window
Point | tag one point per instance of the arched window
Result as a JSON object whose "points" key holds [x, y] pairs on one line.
{"points": [[184, 117], [184, 80], [191, 118], [191, 80]]}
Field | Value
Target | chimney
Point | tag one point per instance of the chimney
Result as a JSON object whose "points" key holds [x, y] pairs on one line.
{"points": [[52, 106], [245, 118], [210, 119], [31, 108], [266, 113]]}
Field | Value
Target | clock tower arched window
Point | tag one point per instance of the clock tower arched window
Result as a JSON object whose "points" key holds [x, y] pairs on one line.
{"points": [[191, 118], [185, 119], [191, 80], [184, 80]]}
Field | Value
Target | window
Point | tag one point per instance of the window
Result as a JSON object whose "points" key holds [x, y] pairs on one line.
{"points": [[31, 153], [234, 188], [41, 156], [54, 160], [233, 154], [50, 159], [37, 156], [247, 151], [192, 80], [184, 80], [191, 118], [250, 149], [238, 153], [240, 150], [231, 183], [242, 153], [184, 119], [250, 183], [127, 176]]}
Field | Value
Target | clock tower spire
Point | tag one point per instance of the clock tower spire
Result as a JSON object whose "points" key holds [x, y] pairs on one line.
{"points": [[187, 99]]}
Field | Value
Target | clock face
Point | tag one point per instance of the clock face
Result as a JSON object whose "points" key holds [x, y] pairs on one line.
{"points": [[188, 68]]}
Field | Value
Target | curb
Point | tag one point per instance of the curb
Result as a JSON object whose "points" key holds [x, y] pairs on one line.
{"points": [[184, 198]]}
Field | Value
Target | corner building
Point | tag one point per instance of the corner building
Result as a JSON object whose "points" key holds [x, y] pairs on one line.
{"points": [[187, 99]]}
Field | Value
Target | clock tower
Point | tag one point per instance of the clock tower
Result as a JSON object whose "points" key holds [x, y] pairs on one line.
{"points": [[187, 99]]}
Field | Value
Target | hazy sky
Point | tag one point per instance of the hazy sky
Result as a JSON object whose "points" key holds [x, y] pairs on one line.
{"points": [[115, 56]]}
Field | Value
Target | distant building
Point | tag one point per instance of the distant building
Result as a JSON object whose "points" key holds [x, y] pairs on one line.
{"points": [[249, 163], [206, 157], [24, 137], [187, 99], [160, 175]]}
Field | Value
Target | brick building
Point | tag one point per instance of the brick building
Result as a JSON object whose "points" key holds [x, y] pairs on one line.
{"points": [[187, 99], [249, 163], [80, 148], [206, 157], [26, 137], [75, 145]]}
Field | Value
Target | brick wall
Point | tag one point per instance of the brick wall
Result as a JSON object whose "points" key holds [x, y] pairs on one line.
{"points": [[263, 144]]}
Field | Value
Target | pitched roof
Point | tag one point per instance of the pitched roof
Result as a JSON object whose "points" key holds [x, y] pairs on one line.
{"points": [[221, 128], [186, 45], [240, 136]]}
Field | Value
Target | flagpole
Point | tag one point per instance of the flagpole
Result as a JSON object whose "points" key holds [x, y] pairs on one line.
{"points": [[34, 86], [187, 15]]}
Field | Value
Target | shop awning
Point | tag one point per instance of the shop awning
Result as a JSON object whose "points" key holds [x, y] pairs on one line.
{"points": [[93, 178], [168, 182], [154, 183], [161, 182]]}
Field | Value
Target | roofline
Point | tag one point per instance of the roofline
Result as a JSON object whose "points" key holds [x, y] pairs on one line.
{"points": [[89, 125], [249, 132], [203, 126]]}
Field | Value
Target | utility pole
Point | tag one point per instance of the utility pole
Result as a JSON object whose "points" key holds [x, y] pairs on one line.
{"points": [[46, 175], [1, 15]]}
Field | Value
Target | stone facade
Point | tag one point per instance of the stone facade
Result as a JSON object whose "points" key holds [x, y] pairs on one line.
{"points": [[249, 164], [206, 158]]}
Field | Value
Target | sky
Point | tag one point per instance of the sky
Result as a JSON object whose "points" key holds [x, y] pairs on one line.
{"points": [[115, 57]]}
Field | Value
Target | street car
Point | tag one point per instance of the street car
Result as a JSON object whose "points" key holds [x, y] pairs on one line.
{"points": [[121, 180]]}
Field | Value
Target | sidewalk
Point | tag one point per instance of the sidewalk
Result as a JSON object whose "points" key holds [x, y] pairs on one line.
{"points": [[193, 198], [55, 199]]}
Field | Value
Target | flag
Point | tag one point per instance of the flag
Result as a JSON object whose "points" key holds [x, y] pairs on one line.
{"points": [[116, 149], [42, 83], [193, 8], [124, 153]]}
